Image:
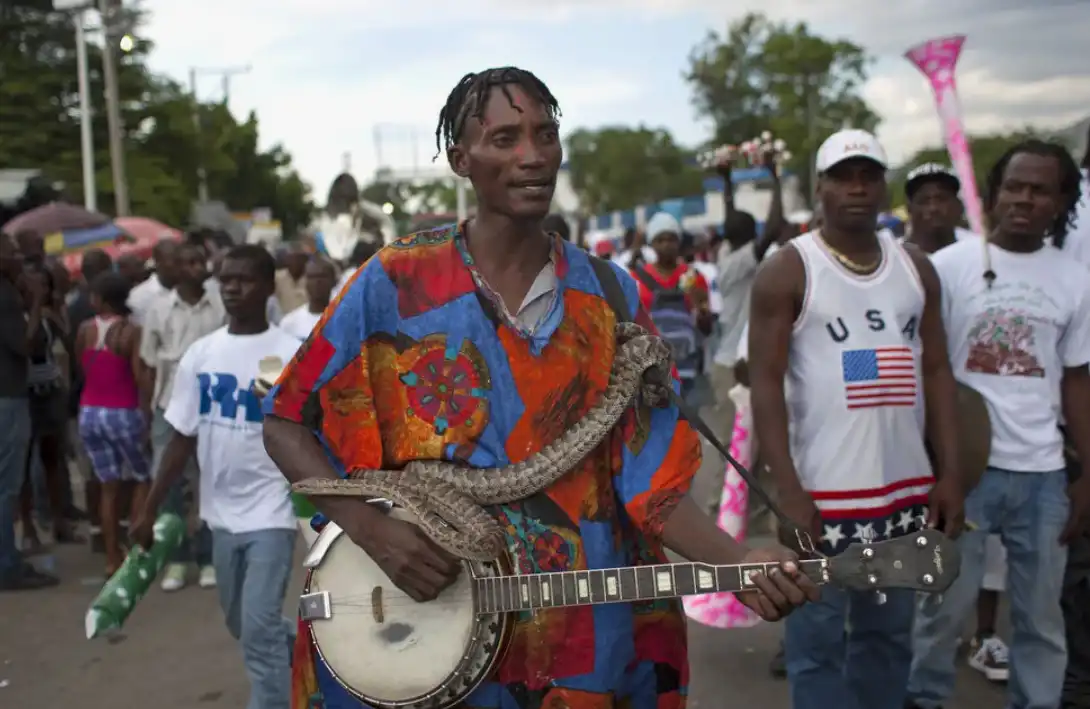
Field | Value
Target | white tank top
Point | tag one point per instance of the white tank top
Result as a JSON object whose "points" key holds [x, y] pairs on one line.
{"points": [[855, 394]]}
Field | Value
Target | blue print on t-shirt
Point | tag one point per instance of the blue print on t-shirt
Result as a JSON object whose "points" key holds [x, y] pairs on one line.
{"points": [[223, 389]]}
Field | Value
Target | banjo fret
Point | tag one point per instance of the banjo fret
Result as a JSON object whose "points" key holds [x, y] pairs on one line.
{"points": [[558, 589]]}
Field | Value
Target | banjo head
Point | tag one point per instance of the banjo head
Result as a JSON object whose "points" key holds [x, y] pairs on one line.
{"points": [[390, 651]]}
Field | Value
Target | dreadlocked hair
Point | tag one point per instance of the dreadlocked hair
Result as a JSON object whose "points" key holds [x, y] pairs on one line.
{"points": [[1086, 155], [1070, 183], [469, 98]]}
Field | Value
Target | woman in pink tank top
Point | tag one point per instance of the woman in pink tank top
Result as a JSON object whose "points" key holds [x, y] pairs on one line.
{"points": [[112, 422]]}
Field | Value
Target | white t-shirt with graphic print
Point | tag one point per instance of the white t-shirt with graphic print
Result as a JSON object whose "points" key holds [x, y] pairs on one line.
{"points": [[241, 489], [1011, 342]]}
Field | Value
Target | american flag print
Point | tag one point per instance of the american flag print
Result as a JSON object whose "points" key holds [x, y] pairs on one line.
{"points": [[881, 377]]}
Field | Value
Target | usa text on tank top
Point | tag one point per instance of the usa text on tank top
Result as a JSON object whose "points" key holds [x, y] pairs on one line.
{"points": [[856, 394]]}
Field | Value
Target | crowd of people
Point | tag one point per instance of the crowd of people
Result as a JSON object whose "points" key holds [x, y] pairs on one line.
{"points": [[98, 359], [853, 342]]}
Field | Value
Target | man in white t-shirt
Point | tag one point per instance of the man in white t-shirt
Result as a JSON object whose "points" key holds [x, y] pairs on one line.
{"points": [[172, 324], [244, 498], [935, 209], [320, 277], [1077, 242], [158, 284], [1076, 598], [1017, 317]]}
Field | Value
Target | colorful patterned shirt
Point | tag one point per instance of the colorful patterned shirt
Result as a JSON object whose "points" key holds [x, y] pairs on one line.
{"points": [[406, 364]]}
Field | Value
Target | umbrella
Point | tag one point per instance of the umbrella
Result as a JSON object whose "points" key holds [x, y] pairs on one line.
{"points": [[143, 229], [55, 217], [60, 242], [73, 260]]}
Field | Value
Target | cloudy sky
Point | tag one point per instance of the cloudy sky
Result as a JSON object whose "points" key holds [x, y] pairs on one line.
{"points": [[368, 77]]}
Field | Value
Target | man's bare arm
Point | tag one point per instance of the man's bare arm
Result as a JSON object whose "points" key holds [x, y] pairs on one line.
{"points": [[300, 456], [940, 387], [777, 292]]}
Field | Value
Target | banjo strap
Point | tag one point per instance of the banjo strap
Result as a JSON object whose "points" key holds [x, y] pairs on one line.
{"points": [[615, 297]]}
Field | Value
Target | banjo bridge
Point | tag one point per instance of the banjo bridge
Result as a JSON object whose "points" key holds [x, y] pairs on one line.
{"points": [[315, 606], [376, 605]]}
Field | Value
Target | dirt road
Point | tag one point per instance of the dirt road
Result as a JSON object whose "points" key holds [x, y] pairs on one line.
{"points": [[176, 654]]}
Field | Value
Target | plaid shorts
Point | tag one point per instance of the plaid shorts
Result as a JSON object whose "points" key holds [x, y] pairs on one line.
{"points": [[115, 441]]}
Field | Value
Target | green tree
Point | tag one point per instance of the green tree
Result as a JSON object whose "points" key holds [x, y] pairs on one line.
{"points": [[437, 196], [620, 168], [383, 190], [762, 75], [39, 127], [408, 198], [39, 103], [986, 151]]}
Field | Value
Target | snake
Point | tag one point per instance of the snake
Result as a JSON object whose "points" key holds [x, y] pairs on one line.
{"points": [[450, 500]]}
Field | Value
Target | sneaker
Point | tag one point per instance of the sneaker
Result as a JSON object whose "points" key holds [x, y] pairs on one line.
{"points": [[98, 546], [28, 579], [990, 657], [174, 578], [208, 577]]}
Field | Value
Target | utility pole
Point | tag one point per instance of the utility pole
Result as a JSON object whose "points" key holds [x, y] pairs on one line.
{"points": [[811, 134], [202, 176], [110, 10], [376, 133], [87, 145], [225, 75], [78, 8]]}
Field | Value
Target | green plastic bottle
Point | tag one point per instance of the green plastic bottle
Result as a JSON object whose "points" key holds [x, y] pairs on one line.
{"points": [[125, 588]]}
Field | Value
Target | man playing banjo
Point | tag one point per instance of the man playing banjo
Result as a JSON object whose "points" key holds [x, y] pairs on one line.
{"points": [[479, 345]]}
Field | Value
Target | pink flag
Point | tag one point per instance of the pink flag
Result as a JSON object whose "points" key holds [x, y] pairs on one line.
{"points": [[937, 59], [723, 610]]}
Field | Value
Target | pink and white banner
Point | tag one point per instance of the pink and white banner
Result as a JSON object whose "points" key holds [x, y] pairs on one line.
{"points": [[723, 610], [938, 59]]}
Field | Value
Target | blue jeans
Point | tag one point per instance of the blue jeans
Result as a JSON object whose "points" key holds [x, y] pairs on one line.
{"points": [[252, 574], [848, 651], [1028, 510], [197, 548], [14, 446]]}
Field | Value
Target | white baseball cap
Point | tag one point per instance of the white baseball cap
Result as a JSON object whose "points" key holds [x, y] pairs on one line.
{"points": [[849, 144]]}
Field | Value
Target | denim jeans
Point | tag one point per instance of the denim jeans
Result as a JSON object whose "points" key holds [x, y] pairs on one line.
{"points": [[252, 574], [849, 651], [1028, 510], [14, 445], [198, 547]]}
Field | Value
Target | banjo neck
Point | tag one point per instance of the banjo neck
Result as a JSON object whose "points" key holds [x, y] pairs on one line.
{"points": [[501, 594]]}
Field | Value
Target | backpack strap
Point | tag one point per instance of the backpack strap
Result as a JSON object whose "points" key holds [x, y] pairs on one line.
{"points": [[641, 274], [611, 288], [614, 296]]}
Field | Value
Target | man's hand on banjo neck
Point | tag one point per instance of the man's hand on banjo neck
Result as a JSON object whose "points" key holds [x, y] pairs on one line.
{"points": [[412, 561]]}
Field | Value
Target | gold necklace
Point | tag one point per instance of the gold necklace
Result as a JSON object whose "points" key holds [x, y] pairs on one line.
{"points": [[849, 263]]}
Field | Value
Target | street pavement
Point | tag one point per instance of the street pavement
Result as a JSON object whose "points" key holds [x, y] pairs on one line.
{"points": [[174, 652]]}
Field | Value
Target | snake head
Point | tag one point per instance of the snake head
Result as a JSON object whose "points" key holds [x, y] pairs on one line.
{"points": [[658, 381]]}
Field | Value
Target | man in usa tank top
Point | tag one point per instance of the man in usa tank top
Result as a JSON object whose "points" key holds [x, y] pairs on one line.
{"points": [[851, 321]]}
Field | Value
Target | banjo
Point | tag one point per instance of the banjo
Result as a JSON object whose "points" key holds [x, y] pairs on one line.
{"points": [[392, 652]]}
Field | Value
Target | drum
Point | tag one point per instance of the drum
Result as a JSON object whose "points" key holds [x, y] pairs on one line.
{"points": [[974, 434]]}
